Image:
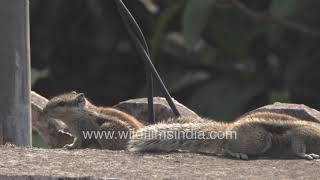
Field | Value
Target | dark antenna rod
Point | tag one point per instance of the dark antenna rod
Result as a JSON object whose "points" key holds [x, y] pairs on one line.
{"points": [[141, 45]]}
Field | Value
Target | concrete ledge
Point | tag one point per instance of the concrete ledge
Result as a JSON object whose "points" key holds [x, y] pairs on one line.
{"points": [[88, 164]]}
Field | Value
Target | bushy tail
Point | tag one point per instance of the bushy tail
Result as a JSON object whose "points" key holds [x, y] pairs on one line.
{"points": [[191, 137]]}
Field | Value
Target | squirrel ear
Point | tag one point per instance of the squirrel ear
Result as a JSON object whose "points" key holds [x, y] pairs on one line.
{"points": [[81, 100], [73, 92]]}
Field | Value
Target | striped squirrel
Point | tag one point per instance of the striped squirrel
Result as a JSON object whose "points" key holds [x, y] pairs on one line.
{"points": [[253, 135], [82, 116]]}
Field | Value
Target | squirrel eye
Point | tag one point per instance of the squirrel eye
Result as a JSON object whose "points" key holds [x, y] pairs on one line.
{"points": [[61, 104]]}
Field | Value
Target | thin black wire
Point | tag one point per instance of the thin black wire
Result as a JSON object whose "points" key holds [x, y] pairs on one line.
{"points": [[142, 47], [163, 89], [137, 36], [149, 78], [131, 23], [132, 26]]}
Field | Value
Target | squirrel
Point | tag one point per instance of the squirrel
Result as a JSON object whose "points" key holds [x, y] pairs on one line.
{"points": [[259, 134], [81, 117]]}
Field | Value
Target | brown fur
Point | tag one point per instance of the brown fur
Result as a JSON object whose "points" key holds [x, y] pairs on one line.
{"points": [[80, 115], [121, 115], [256, 135]]}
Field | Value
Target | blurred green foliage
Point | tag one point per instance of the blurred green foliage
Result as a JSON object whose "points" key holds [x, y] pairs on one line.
{"points": [[37, 141], [219, 57]]}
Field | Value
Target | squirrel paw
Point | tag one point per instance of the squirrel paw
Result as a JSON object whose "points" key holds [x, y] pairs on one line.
{"points": [[309, 156], [61, 131], [69, 146], [238, 155]]}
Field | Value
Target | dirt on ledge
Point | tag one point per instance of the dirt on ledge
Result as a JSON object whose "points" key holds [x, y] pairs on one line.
{"points": [[103, 164]]}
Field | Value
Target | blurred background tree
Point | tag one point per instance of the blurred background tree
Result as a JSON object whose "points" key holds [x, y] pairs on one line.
{"points": [[221, 58]]}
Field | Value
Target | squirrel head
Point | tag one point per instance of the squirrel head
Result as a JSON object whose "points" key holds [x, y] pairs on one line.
{"points": [[68, 104]]}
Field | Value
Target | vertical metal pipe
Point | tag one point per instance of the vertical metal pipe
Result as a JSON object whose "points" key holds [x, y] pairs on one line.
{"points": [[15, 114]]}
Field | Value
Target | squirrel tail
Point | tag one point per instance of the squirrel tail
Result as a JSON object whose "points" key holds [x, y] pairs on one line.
{"points": [[191, 137]]}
